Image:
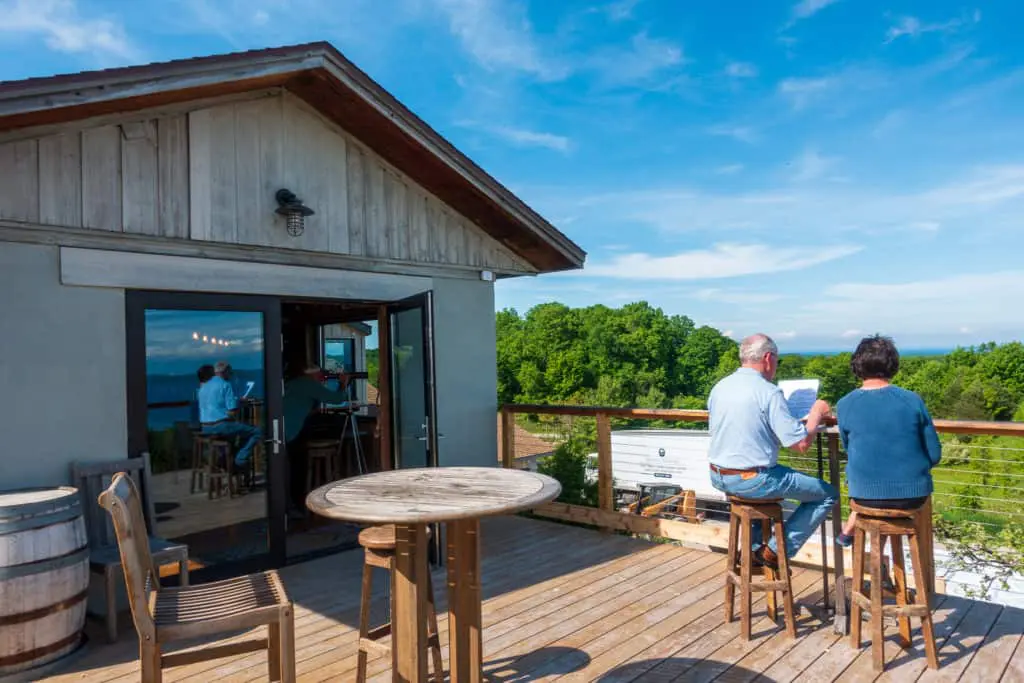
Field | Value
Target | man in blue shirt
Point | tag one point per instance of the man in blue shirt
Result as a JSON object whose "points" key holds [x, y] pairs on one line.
{"points": [[218, 409], [749, 421]]}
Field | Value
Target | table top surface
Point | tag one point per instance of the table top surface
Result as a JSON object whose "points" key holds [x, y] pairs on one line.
{"points": [[434, 494]]}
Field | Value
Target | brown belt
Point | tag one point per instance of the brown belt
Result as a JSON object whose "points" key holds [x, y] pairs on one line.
{"points": [[726, 471]]}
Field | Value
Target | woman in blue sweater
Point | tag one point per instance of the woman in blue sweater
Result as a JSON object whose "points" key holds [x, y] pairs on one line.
{"points": [[890, 441]]}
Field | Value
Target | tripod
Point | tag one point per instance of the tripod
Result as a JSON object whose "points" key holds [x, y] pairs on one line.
{"points": [[351, 426]]}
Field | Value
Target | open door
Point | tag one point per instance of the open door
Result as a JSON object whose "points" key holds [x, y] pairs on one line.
{"points": [[414, 437], [413, 401]]}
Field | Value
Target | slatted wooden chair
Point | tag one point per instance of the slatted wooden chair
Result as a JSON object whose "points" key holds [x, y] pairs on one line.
{"points": [[91, 479], [163, 615]]}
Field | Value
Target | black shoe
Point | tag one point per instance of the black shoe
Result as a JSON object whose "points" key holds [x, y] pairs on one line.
{"points": [[765, 557]]}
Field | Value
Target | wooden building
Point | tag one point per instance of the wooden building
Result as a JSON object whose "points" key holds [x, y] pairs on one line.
{"points": [[141, 216]]}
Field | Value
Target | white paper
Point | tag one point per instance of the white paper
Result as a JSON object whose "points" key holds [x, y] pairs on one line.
{"points": [[800, 394], [248, 387]]}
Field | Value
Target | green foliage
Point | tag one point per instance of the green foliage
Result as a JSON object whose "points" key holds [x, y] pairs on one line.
{"points": [[996, 557], [632, 356], [373, 365], [568, 465]]}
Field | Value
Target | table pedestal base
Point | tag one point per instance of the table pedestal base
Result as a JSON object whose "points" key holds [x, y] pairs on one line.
{"points": [[465, 650]]}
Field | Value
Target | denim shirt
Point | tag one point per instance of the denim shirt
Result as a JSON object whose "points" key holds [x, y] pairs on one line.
{"points": [[216, 399], [749, 421]]}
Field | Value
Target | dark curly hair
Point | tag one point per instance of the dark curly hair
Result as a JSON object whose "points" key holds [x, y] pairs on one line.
{"points": [[875, 358]]}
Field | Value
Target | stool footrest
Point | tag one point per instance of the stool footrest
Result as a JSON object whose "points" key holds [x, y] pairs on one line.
{"points": [[761, 584], [892, 610], [373, 646], [382, 631]]}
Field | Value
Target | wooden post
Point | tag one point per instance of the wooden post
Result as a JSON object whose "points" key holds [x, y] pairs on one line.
{"points": [[507, 438], [605, 497], [409, 621], [384, 425], [839, 623], [465, 619]]}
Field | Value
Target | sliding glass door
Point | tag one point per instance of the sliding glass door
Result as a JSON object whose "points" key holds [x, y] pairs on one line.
{"points": [[221, 494]]}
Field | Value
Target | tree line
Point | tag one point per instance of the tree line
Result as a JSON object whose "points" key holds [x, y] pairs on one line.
{"points": [[639, 356]]}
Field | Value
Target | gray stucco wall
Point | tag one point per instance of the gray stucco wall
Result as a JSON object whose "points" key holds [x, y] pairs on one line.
{"points": [[62, 370], [466, 360]]}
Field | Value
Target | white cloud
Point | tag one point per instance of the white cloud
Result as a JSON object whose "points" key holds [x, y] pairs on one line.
{"points": [[530, 138], [742, 133], [522, 137], [644, 58], [620, 10], [741, 70], [889, 123], [811, 166], [736, 296], [800, 91], [956, 304], [729, 169], [925, 226], [720, 261], [260, 17], [850, 334], [789, 334], [498, 35], [912, 27], [63, 28], [807, 8]]}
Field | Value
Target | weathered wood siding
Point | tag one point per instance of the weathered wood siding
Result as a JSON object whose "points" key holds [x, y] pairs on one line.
{"points": [[211, 174]]}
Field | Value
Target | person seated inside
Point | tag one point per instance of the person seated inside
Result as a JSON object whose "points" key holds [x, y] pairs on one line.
{"points": [[304, 390], [749, 420], [890, 441], [218, 413]]}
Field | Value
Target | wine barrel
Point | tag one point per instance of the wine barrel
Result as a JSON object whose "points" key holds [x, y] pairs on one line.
{"points": [[44, 576]]}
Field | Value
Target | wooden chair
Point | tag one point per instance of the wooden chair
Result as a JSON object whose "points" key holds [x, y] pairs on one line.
{"points": [[378, 543], [881, 525], [91, 479], [163, 615], [743, 514], [323, 462]]}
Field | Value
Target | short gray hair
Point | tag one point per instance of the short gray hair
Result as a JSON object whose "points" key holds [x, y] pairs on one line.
{"points": [[754, 347], [221, 367]]}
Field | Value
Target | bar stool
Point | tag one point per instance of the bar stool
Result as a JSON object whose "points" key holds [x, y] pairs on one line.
{"points": [[881, 525], [198, 466], [379, 545], [218, 478], [321, 454], [742, 515]]}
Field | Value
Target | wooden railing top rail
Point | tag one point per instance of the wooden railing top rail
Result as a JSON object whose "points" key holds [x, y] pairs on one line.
{"points": [[977, 427]]}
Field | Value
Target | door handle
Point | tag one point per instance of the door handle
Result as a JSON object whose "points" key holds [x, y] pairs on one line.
{"points": [[275, 438]]}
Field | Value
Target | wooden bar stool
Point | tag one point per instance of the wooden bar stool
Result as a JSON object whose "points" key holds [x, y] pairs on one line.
{"points": [[198, 465], [218, 478], [881, 525], [744, 512], [379, 545], [322, 455]]}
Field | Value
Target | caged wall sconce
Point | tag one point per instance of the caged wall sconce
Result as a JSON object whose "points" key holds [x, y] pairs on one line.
{"points": [[292, 208]]}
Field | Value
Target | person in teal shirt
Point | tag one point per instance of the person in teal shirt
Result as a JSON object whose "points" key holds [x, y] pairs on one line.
{"points": [[303, 392]]}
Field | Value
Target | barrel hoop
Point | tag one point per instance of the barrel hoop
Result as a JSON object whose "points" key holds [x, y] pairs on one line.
{"points": [[39, 652], [40, 566], [44, 611], [40, 522], [21, 509]]}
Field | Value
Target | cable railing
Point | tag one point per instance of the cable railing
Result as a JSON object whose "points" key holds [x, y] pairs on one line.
{"points": [[980, 479]]}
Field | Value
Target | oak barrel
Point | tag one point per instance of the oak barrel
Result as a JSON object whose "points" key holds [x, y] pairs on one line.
{"points": [[44, 576]]}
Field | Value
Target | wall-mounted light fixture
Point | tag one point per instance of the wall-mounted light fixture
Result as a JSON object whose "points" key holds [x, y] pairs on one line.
{"points": [[292, 208]]}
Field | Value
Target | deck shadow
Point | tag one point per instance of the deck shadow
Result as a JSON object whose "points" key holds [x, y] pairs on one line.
{"points": [[641, 670], [503, 669]]}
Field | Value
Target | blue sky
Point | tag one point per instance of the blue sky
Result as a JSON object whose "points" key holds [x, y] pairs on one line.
{"points": [[814, 169]]}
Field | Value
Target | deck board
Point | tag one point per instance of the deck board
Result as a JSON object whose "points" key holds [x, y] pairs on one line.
{"points": [[570, 604]]}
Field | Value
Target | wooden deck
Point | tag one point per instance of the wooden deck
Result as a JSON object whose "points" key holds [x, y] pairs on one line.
{"points": [[565, 602]]}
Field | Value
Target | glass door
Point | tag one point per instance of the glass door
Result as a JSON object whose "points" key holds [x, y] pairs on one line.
{"points": [[413, 411], [205, 401]]}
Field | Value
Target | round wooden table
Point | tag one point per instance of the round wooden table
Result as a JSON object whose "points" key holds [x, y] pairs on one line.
{"points": [[411, 499]]}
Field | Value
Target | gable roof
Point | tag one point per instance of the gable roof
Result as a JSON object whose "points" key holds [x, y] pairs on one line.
{"points": [[319, 74]]}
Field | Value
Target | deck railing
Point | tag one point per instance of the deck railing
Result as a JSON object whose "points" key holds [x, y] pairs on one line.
{"points": [[981, 477]]}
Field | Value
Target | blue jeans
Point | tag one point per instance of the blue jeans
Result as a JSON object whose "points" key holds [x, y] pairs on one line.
{"points": [[237, 430], [816, 498]]}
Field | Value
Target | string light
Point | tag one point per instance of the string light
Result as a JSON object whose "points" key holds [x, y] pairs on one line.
{"points": [[207, 339]]}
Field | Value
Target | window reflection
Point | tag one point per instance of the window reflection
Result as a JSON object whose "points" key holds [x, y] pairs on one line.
{"points": [[201, 499]]}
